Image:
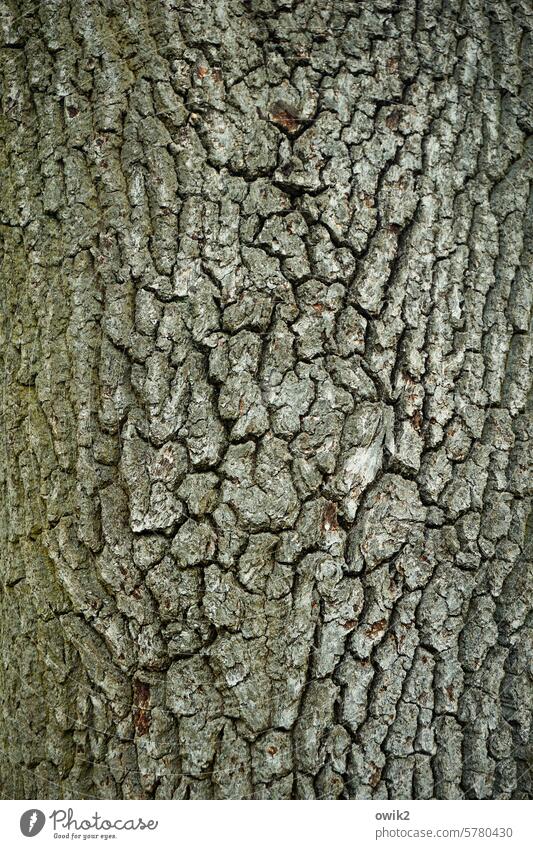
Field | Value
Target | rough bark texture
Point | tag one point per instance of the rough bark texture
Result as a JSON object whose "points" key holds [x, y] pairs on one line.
{"points": [[265, 339]]}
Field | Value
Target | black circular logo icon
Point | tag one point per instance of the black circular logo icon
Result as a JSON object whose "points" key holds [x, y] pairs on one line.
{"points": [[32, 822]]}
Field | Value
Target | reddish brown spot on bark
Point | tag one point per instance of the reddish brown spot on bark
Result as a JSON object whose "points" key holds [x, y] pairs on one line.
{"points": [[394, 228], [449, 690], [376, 628], [202, 71], [392, 121], [400, 640], [286, 120], [72, 111], [375, 776], [329, 518], [392, 65], [141, 716], [368, 201], [136, 592], [141, 691], [349, 624], [272, 750], [417, 420], [319, 308], [142, 722]]}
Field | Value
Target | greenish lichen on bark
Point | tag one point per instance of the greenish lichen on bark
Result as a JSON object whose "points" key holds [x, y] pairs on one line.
{"points": [[265, 409]]}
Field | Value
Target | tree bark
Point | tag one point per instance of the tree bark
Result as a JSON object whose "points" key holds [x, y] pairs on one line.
{"points": [[266, 305]]}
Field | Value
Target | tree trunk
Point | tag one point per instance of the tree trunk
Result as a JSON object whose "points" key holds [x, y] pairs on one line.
{"points": [[265, 339]]}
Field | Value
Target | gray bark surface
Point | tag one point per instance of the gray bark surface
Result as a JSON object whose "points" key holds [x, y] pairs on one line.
{"points": [[265, 340]]}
